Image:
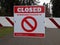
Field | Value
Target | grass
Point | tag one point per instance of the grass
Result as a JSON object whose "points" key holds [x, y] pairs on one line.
{"points": [[5, 31]]}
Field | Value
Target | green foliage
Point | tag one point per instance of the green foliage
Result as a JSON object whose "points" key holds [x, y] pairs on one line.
{"points": [[56, 8], [7, 6], [5, 31]]}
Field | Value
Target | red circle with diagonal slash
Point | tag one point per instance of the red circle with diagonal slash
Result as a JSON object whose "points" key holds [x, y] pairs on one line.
{"points": [[29, 24]]}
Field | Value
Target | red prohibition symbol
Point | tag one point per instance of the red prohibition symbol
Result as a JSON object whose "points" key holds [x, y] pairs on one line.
{"points": [[29, 24]]}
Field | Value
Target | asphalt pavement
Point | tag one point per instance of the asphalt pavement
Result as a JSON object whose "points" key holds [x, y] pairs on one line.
{"points": [[52, 37]]}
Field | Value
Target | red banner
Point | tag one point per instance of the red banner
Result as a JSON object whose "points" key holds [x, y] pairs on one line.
{"points": [[29, 9]]}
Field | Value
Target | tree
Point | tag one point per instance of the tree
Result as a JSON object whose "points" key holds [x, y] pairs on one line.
{"points": [[25, 2], [7, 5], [56, 8]]}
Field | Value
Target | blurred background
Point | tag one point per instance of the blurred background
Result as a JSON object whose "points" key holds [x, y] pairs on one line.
{"points": [[52, 6], [52, 34]]}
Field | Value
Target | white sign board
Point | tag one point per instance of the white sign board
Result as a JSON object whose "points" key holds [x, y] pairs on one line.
{"points": [[29, 21]]}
